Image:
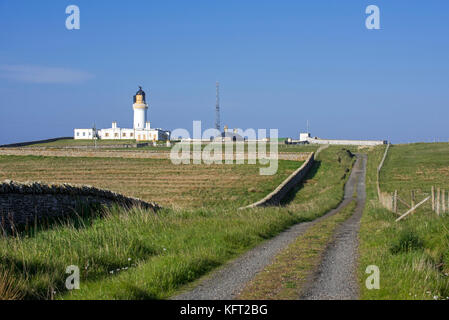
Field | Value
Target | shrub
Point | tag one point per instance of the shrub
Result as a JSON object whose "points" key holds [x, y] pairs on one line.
{"points": [[408, 241]]}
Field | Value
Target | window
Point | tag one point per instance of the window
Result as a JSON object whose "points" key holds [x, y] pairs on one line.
{"points": [[78, 134], [107, 134], [124, 134], [116, 135], [131, 134], [84, 134]]}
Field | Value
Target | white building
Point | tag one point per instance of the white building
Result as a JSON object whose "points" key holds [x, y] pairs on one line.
{"points": [[141, 130], [305, 137]]}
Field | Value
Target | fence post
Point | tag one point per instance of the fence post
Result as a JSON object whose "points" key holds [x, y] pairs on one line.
{"points": [[433, 198], [443, 201], [395, 201], [412, 196], [412, 209], [438, 201], [382, 197]]}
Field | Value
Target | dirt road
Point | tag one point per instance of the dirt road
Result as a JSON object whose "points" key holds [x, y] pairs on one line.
{"points": [[229, 280], [336, 278]]}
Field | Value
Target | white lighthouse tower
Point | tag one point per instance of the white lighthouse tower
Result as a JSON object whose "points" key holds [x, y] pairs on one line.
{"points": [[140, 110]]}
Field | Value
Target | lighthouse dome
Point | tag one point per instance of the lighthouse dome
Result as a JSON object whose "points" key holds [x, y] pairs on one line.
{"points": [[140, 93]]}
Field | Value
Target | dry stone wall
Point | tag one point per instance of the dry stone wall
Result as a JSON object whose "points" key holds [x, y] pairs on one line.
{"points": [[281, 191], [22, 203]]}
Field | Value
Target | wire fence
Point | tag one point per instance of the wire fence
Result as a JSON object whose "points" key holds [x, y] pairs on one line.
{"points": [[393, 202]]}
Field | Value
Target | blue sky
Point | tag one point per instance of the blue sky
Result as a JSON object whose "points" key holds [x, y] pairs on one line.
{"points": [[279, 63]]}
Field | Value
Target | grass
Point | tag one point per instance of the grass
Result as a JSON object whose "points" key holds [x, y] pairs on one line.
{"points": [[413, 254], [287, 148], [136, 254], [152, 179], [10, 287], [324, 184], [286, 277]]}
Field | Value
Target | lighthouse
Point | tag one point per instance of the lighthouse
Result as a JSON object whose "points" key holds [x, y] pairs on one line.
{"points": [[140, 107], [140, 132]]}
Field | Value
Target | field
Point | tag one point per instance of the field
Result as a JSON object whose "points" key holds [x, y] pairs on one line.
{"points": [[71, 143], [413, 254], [79, 142], [416, 167], [135, 254], [152, 179]]}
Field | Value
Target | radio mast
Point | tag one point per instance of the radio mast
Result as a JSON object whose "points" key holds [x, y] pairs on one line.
{"points": [[217, 107]]}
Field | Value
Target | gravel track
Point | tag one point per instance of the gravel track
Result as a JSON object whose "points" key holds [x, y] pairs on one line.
{"points": [[336, 278], [227, 282]]}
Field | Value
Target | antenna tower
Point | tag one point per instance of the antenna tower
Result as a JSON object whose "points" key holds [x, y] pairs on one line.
{"points": [[95, 134], [217, 107]]}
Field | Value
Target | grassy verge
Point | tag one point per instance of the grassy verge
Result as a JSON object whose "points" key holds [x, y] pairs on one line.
{"points": [[286, 277], [135, 254], [413, 254], [323, 187]]}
